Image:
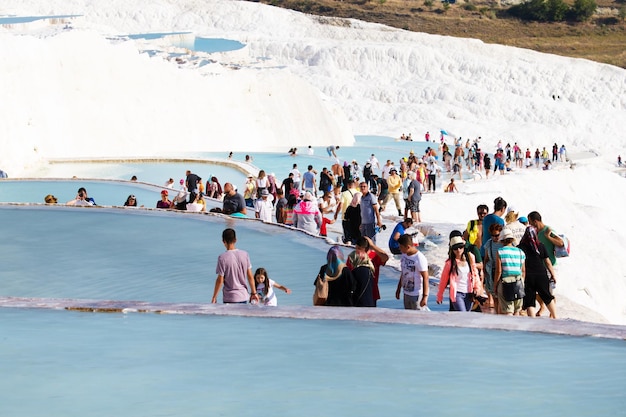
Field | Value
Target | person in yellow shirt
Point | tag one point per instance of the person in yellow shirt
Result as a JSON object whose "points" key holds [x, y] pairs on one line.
{"points": [[394, 182], [249, 192]]}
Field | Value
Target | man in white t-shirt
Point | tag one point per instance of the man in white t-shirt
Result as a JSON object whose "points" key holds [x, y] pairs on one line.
{"points": [[374, 162], [296, 176], [413, 276], [386, 168]]}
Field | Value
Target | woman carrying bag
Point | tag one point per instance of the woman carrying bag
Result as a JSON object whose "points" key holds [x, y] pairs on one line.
{"points": [[509, 275], [335, 281]]}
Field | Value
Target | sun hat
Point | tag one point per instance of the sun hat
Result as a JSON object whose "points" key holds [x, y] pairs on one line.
{"points": [[506, 233], [457, 241], [50, 199]]}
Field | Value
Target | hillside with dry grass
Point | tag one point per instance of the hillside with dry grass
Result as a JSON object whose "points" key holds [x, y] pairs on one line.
{"points": [[602, 38]]}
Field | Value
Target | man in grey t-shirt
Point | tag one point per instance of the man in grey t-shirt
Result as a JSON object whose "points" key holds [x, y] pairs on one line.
{"points": [[370, 214], [415, 195], [233, 268]]}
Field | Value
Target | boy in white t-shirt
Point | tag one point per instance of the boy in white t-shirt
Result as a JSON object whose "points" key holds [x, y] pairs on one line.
{"points": [[413, 276]]}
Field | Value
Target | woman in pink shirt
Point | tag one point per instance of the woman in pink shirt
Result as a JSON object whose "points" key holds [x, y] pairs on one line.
{"points": [[460, 271]]}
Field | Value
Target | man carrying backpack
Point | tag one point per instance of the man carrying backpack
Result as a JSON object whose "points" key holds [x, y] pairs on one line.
{"points": [[474, 230]]}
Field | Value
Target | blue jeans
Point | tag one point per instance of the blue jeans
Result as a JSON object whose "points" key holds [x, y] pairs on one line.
{"points": [[463, 302]]}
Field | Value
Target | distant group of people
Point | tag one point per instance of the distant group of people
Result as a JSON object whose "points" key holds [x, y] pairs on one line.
{"points": [[350, 193], [191, 193], [505, 158], [189, 197]]}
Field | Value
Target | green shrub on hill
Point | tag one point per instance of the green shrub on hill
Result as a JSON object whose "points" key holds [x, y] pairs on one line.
{"points": [[553, 10]]}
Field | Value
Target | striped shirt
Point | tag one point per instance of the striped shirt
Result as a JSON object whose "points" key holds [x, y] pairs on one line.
{"points": [[512, 260]]}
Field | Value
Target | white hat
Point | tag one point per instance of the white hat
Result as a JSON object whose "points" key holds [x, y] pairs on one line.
{"points": [[511, 209], [308, 196], [457, 240], [506, 233]]}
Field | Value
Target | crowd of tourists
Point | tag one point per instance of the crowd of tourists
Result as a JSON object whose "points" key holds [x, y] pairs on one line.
{"points": [[502, 262]]}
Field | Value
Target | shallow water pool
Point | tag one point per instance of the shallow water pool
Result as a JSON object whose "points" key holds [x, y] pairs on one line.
{"points": [[71, 363]]}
